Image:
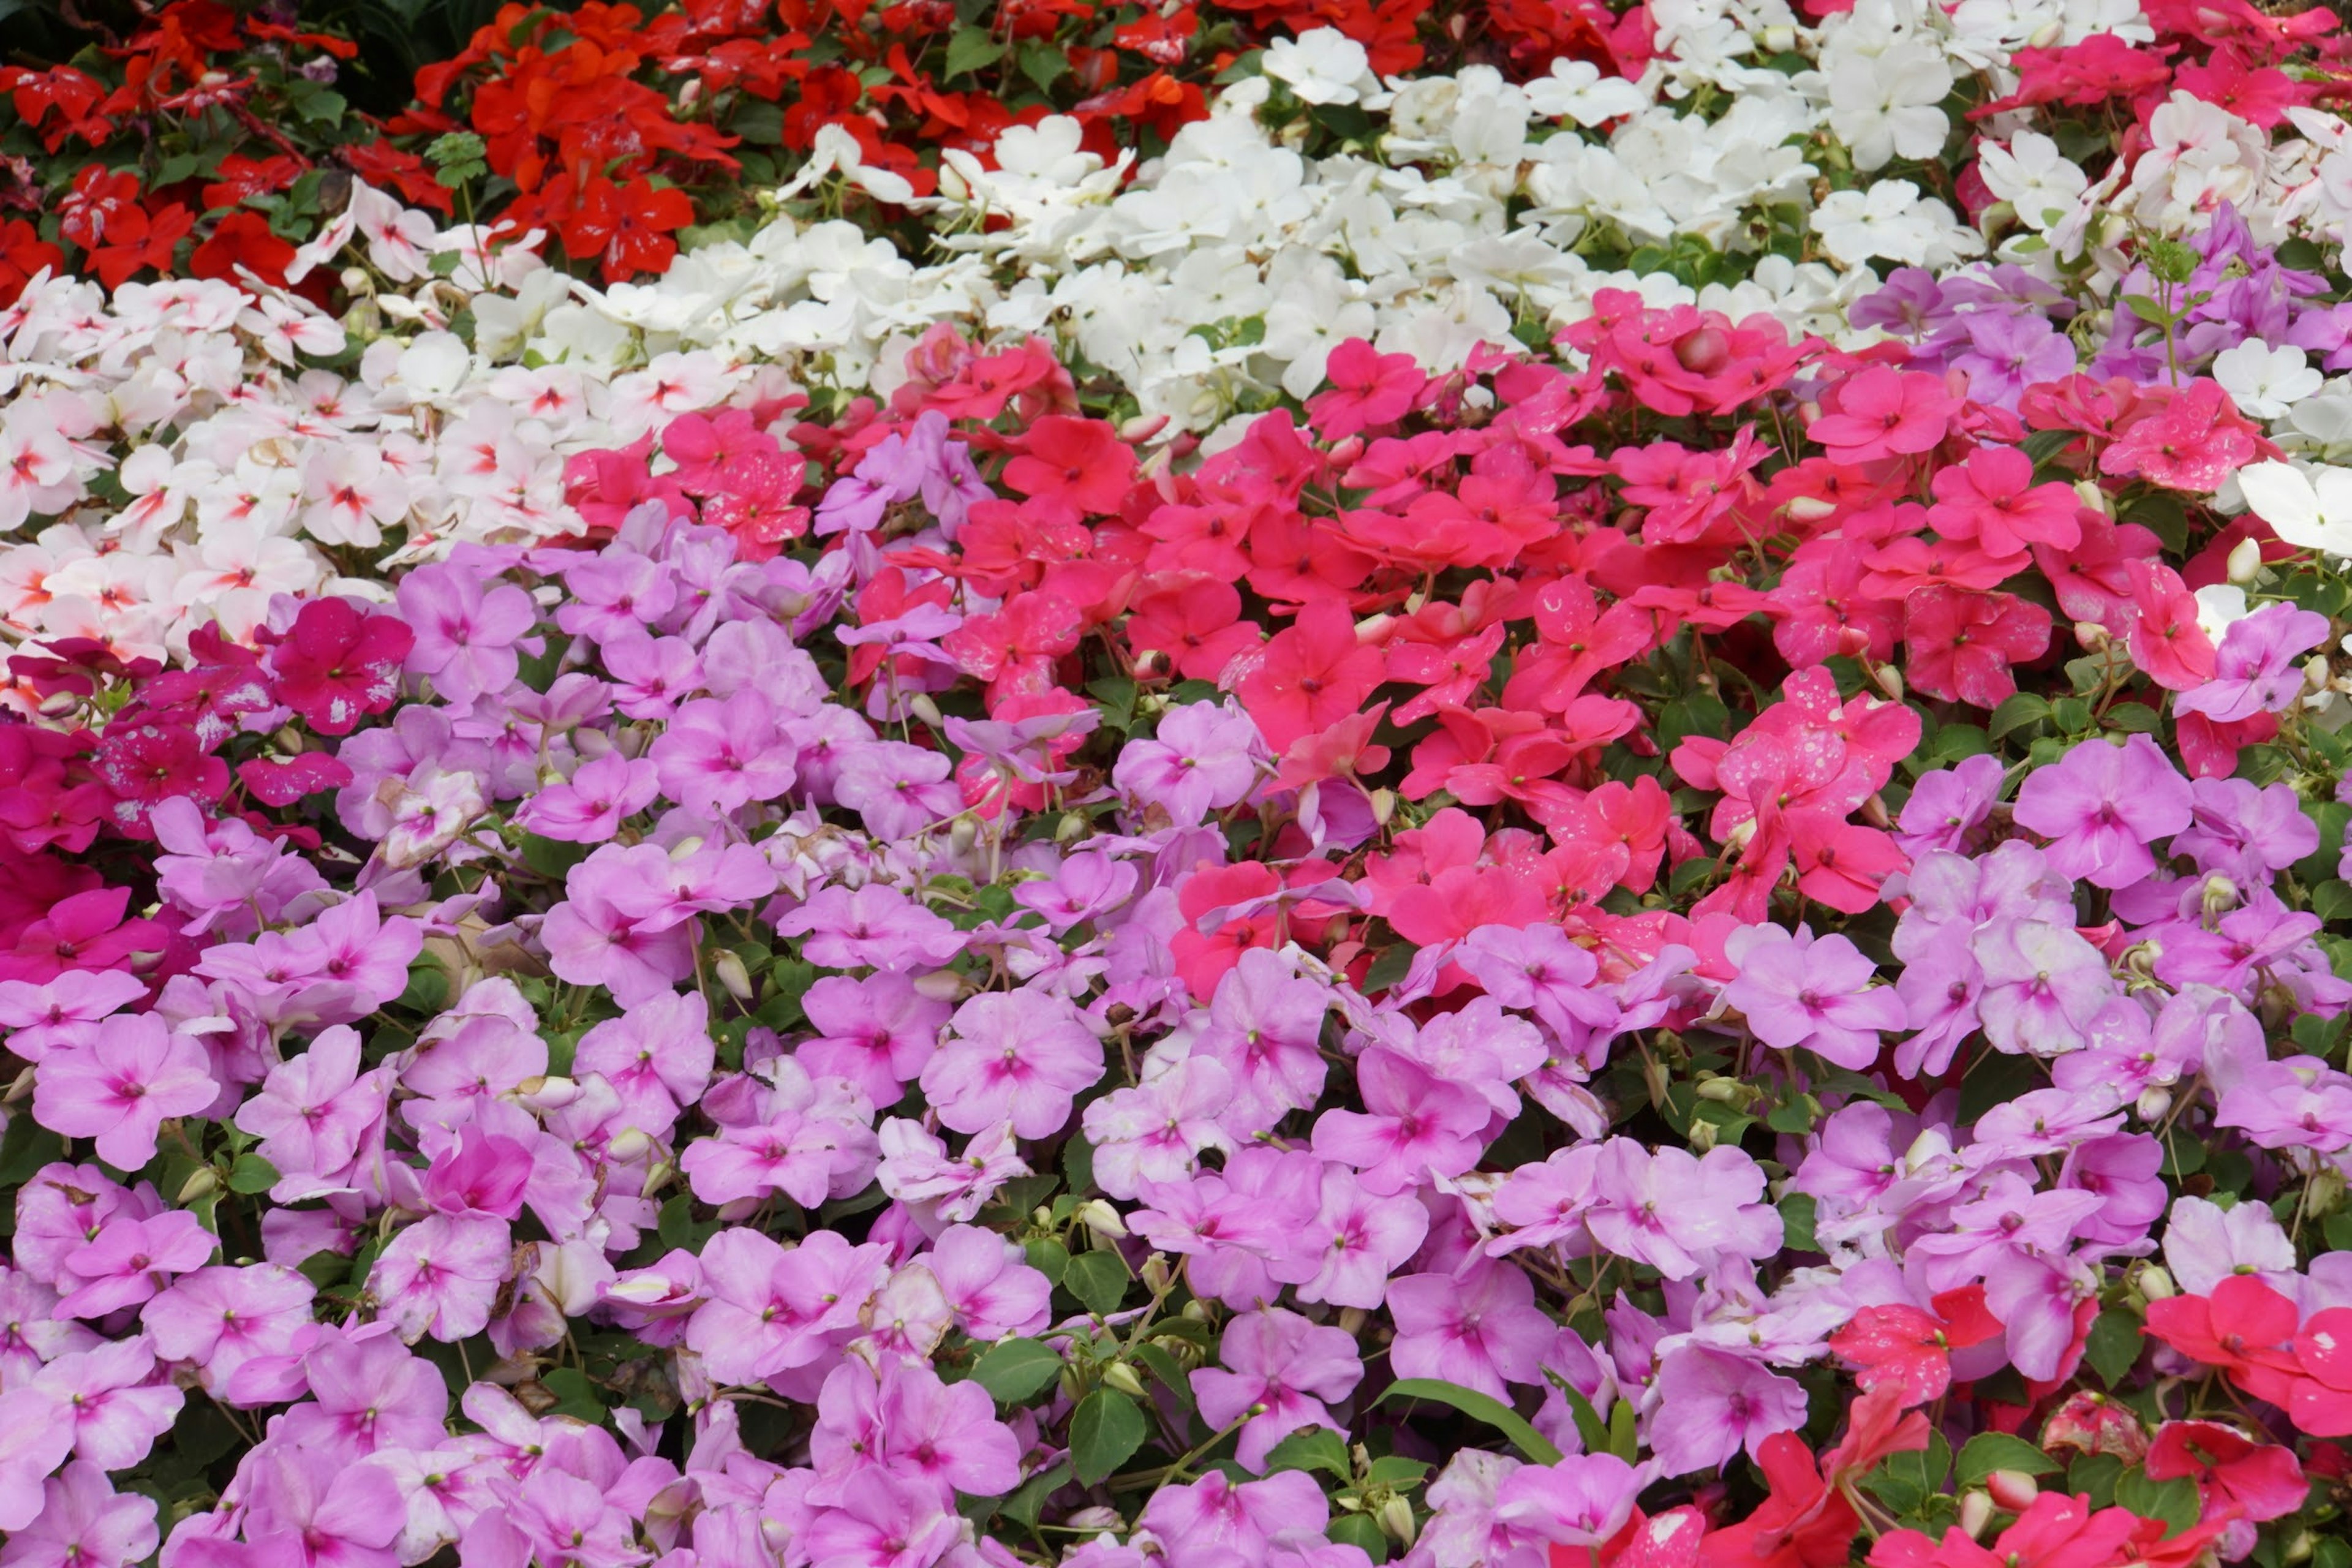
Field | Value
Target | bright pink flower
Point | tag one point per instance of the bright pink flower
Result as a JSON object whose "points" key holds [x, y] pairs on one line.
{"points": [[1882, 412], [339, 663], [1993, 499], [1279, 1360], [1479, 1327], [1021, 1058]]}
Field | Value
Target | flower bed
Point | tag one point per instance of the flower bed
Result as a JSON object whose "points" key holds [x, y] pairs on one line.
{"points": [[1275, 786]]}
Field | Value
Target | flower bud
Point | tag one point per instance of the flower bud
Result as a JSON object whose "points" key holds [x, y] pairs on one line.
{"points": [[1155, 1275], [657, 1176], [2245, 561], [1777, 40], [1121, 1376], [2300, 1549], [1352, 1319], [1703, 1136], [1383, 802], [940, 986], [627, 1146], [729, 967], [2091, 636], [1722, 1090], [355, 280], [21, 1090], [2014, 1490], [1095, 1518], [2153, 1102], [2219, 898], [1142, 428], [1072, 1389], [1099, 1216], [2157, 1285], [2088, 492], [1196, 1310], [1071, 828], [1396, 1520], [1976, 1513], [202, 1184], [921, 706]]}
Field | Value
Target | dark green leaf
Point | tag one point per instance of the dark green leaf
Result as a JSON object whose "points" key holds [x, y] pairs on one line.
{"points": [[575, 1396], [2016, 713], [1017, 1370], [1023, 1506], [1316, 1448], [1099, 1279], [2173, 1501], [1358, 1530], [2332, 901], [969, 48], [2113, 1345], [1478, 1407], [1797, 1223], [1104, 1432], [251, 1175]]}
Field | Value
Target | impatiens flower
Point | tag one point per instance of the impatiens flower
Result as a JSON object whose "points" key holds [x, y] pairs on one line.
{"points": [[82, 1523], [338, 664], [1283, 1368], [1712, 1404], [1909, 1349], [2254, 671], [1815, 996], [2102, 806], [121, 1087], [1018, 1059], [1480, 1328]]}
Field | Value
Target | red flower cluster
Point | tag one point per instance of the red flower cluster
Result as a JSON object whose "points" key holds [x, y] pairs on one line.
{"points": [[2258, 1340]]}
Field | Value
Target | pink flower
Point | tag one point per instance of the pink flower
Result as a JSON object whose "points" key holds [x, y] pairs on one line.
{"points": [[1814, 997], [82, 1523], [1992, 500], [1479, 1328], [129, 1259], [63, 1011], [441, 1276], [1280, 1361], [1414, 1124], [717, 754], [2102, 806], [1712, 1404], [314, 1111], [1019, 1057], [772, 1308], [1884, 413], [122, 1087], [106, 1399]]}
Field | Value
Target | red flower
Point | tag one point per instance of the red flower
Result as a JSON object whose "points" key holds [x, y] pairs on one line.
{"points": [[1080, 464], [242, 240], [141, 239], [1367, 389], [338, 664], [2197, 440], [24, 254], [2244, 1325], [1964, 645], [1909, 1351], [1312, 676], [240, 178], [1196, 623], [144, 763], [2167, 642], [101, 199], [2236, 1476], [85, 930], [627, 228]]}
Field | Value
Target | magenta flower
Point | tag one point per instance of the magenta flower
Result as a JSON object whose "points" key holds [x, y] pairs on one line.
{"points": [[314, 1111], [63, 1011], [466, 636], [1479, 1327], [772, 1308], [303, 1507], [876, 1032], [1356, 1238], [1214, 1523], [339, 663], [1021, 1058], [107, 1397], [441, 1276], [1676, 1211], [1294, 1368], [872, 927], [221, 1319], [883, 1521], [912, 1424], [2101, 806], [122, 1087]]}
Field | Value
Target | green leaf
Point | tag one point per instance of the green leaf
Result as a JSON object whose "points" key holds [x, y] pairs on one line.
{"points": [[1396, 1472], [1099, 1279], [1622, 1442], [251, 1175], [1023, 1506], [1044, 64], [760, 124], [25, 1148], [1078, 1165], [1358, 1530], [1479, 1407], [1590, 1427], [552, 858], [1696, 714], [1104, 1432], [1392, 965], [2114, 1346], [2332, 901], [2173, 1501], [575, 1396], [1017, 1370], [1049, 1257], [1316, 1448], [2016, 713], [1797, 1223], [1989, 1451], [969, 48]]}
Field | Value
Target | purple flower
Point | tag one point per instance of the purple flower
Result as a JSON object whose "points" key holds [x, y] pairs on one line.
{"points": [[588, 808], [772, 1308], [1813, 995], [2008, 351], [82, 1523], [1279, 1360], [719, 754], [1216, 1523], [2246, 832], [1202, 757], [2102, 806], [1675, 1211], [1948, 805], [2254, 669], [465, 636], [1712, 1404], [898, 789], [2041, 986], [872, 927]]}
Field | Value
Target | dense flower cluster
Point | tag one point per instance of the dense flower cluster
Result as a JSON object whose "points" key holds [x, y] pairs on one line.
{"points": [[1500, 786]]}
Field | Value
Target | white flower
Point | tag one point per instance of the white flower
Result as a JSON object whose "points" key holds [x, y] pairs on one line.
{"points": [[2264, 381], [1886, 104], [1324, 65], [1577, 91], [2310, 508], [2033, 177], [1893, 221]]}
